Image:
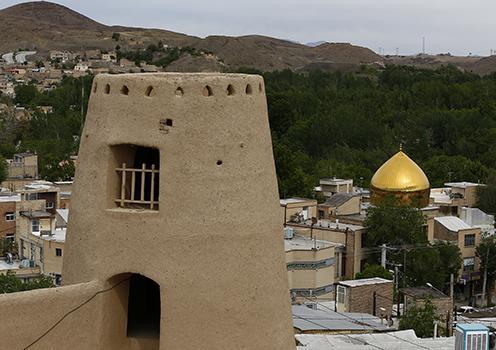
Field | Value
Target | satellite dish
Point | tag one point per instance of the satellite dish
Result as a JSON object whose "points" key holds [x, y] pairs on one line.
{"points": [[314, 220]]}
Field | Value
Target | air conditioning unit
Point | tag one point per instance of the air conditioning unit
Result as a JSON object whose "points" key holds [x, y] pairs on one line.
{"points": [[288, 233], [26, 263], [471, 336]]}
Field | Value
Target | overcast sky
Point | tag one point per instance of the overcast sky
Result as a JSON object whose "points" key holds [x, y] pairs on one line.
{"points": [[384, 26]]}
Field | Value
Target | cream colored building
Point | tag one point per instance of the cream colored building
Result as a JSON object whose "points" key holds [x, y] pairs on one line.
{"points": [[340, 204], [24, 165], [297, 209], [329, 187], [311, 267], [454, 196]]}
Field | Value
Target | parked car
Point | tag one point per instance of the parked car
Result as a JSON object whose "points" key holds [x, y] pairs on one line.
{"points": [[464, 310]]}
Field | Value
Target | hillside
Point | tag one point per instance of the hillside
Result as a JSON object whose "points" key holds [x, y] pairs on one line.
{"points": [[48, 26]]}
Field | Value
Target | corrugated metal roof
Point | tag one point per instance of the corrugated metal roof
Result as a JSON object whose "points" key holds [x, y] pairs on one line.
{"points": [[452, 223]]}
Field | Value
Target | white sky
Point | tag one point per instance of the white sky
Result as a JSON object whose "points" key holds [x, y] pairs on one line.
{"points": [[455, 26]]}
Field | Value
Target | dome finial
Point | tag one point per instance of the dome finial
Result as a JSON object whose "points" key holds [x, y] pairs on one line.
{"points": [[401, 146]]}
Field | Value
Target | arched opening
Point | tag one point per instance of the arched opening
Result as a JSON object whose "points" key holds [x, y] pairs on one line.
{"points": [[143, 319]]}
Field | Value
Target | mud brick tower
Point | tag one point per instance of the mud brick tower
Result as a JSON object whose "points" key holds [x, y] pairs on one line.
{"points": [[175, 201]]}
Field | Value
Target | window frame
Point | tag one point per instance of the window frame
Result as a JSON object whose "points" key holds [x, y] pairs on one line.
{"points": [[58, 252], [33, 225], [10, 216], [466, 263], [469, 240]]}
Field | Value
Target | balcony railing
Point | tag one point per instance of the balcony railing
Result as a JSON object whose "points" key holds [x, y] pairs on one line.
{"points": [[145, 196]]}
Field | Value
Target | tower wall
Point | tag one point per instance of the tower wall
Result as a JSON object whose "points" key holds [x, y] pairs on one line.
{"points": [[212, 241]]}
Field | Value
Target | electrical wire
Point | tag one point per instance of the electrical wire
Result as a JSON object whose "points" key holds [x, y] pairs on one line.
{"points": [[346, 335], [372, 326], [76, 308]]}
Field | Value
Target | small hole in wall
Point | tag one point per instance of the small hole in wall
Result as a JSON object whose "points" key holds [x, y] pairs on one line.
{"points": [[249, 90], [179, 91], [125, 90], [94, 87], [260, 89], [219, 162], [168, 122], [207, 91], [107, 89], [150, 92], [230, 90]]}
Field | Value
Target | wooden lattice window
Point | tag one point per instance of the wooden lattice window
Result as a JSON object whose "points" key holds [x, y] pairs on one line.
{"points": [[138, 187]]}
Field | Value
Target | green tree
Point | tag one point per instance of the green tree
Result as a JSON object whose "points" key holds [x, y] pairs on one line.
{"points": [[7, 246], [421, 319], [373, 271], [394, 224], [486, 196], [486, 252], [9, 283]]}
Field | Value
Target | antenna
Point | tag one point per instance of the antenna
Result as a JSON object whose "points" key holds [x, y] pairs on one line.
{"points": [[423, 46], [397, 51]]}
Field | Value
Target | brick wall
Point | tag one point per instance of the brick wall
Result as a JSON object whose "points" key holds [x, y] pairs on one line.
{"points": [[362, 298]]}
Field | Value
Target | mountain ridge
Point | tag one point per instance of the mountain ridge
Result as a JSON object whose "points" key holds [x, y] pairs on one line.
{"points": [[49, 26]]}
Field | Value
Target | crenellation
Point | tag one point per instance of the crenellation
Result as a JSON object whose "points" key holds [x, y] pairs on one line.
{"points": [[208, 90]]}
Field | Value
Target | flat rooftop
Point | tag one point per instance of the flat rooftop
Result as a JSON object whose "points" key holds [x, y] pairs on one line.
{"points": [[305, 243], [364, 282], [58, 236]]}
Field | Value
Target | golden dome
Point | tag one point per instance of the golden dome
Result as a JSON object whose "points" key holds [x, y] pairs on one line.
{"points": [[402, 177], [400, 173]]}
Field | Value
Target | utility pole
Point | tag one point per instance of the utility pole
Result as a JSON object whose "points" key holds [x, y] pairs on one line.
{"points": [[383, 255], [485, 279]]}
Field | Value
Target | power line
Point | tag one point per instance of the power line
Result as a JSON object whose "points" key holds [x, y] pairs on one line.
{"points": [[346, 335]]}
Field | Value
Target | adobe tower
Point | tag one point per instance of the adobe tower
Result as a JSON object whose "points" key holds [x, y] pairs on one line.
{"points": [[175, 209]]}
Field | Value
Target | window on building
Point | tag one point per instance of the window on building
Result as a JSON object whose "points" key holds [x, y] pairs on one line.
{"points": [[32, 196], [341, 294], [10, 216], [469, 240], [49, 205], [468, 264], [321, 214], [35, 225], [11, 237], [138, 177], [58, 251]]}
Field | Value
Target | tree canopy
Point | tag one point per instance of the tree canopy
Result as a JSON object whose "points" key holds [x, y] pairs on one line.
{"points": [[421, 319], [9, 283], [445, 119]]}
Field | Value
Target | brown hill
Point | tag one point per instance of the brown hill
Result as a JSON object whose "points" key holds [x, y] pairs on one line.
{"points": [[47, 26]]}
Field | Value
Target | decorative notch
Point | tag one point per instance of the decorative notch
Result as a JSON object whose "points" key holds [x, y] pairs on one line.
{"points": [[248, 90], [124, 90], [150, 92], [207, 91], [179, 92], [107, 89], [230, 90]]}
